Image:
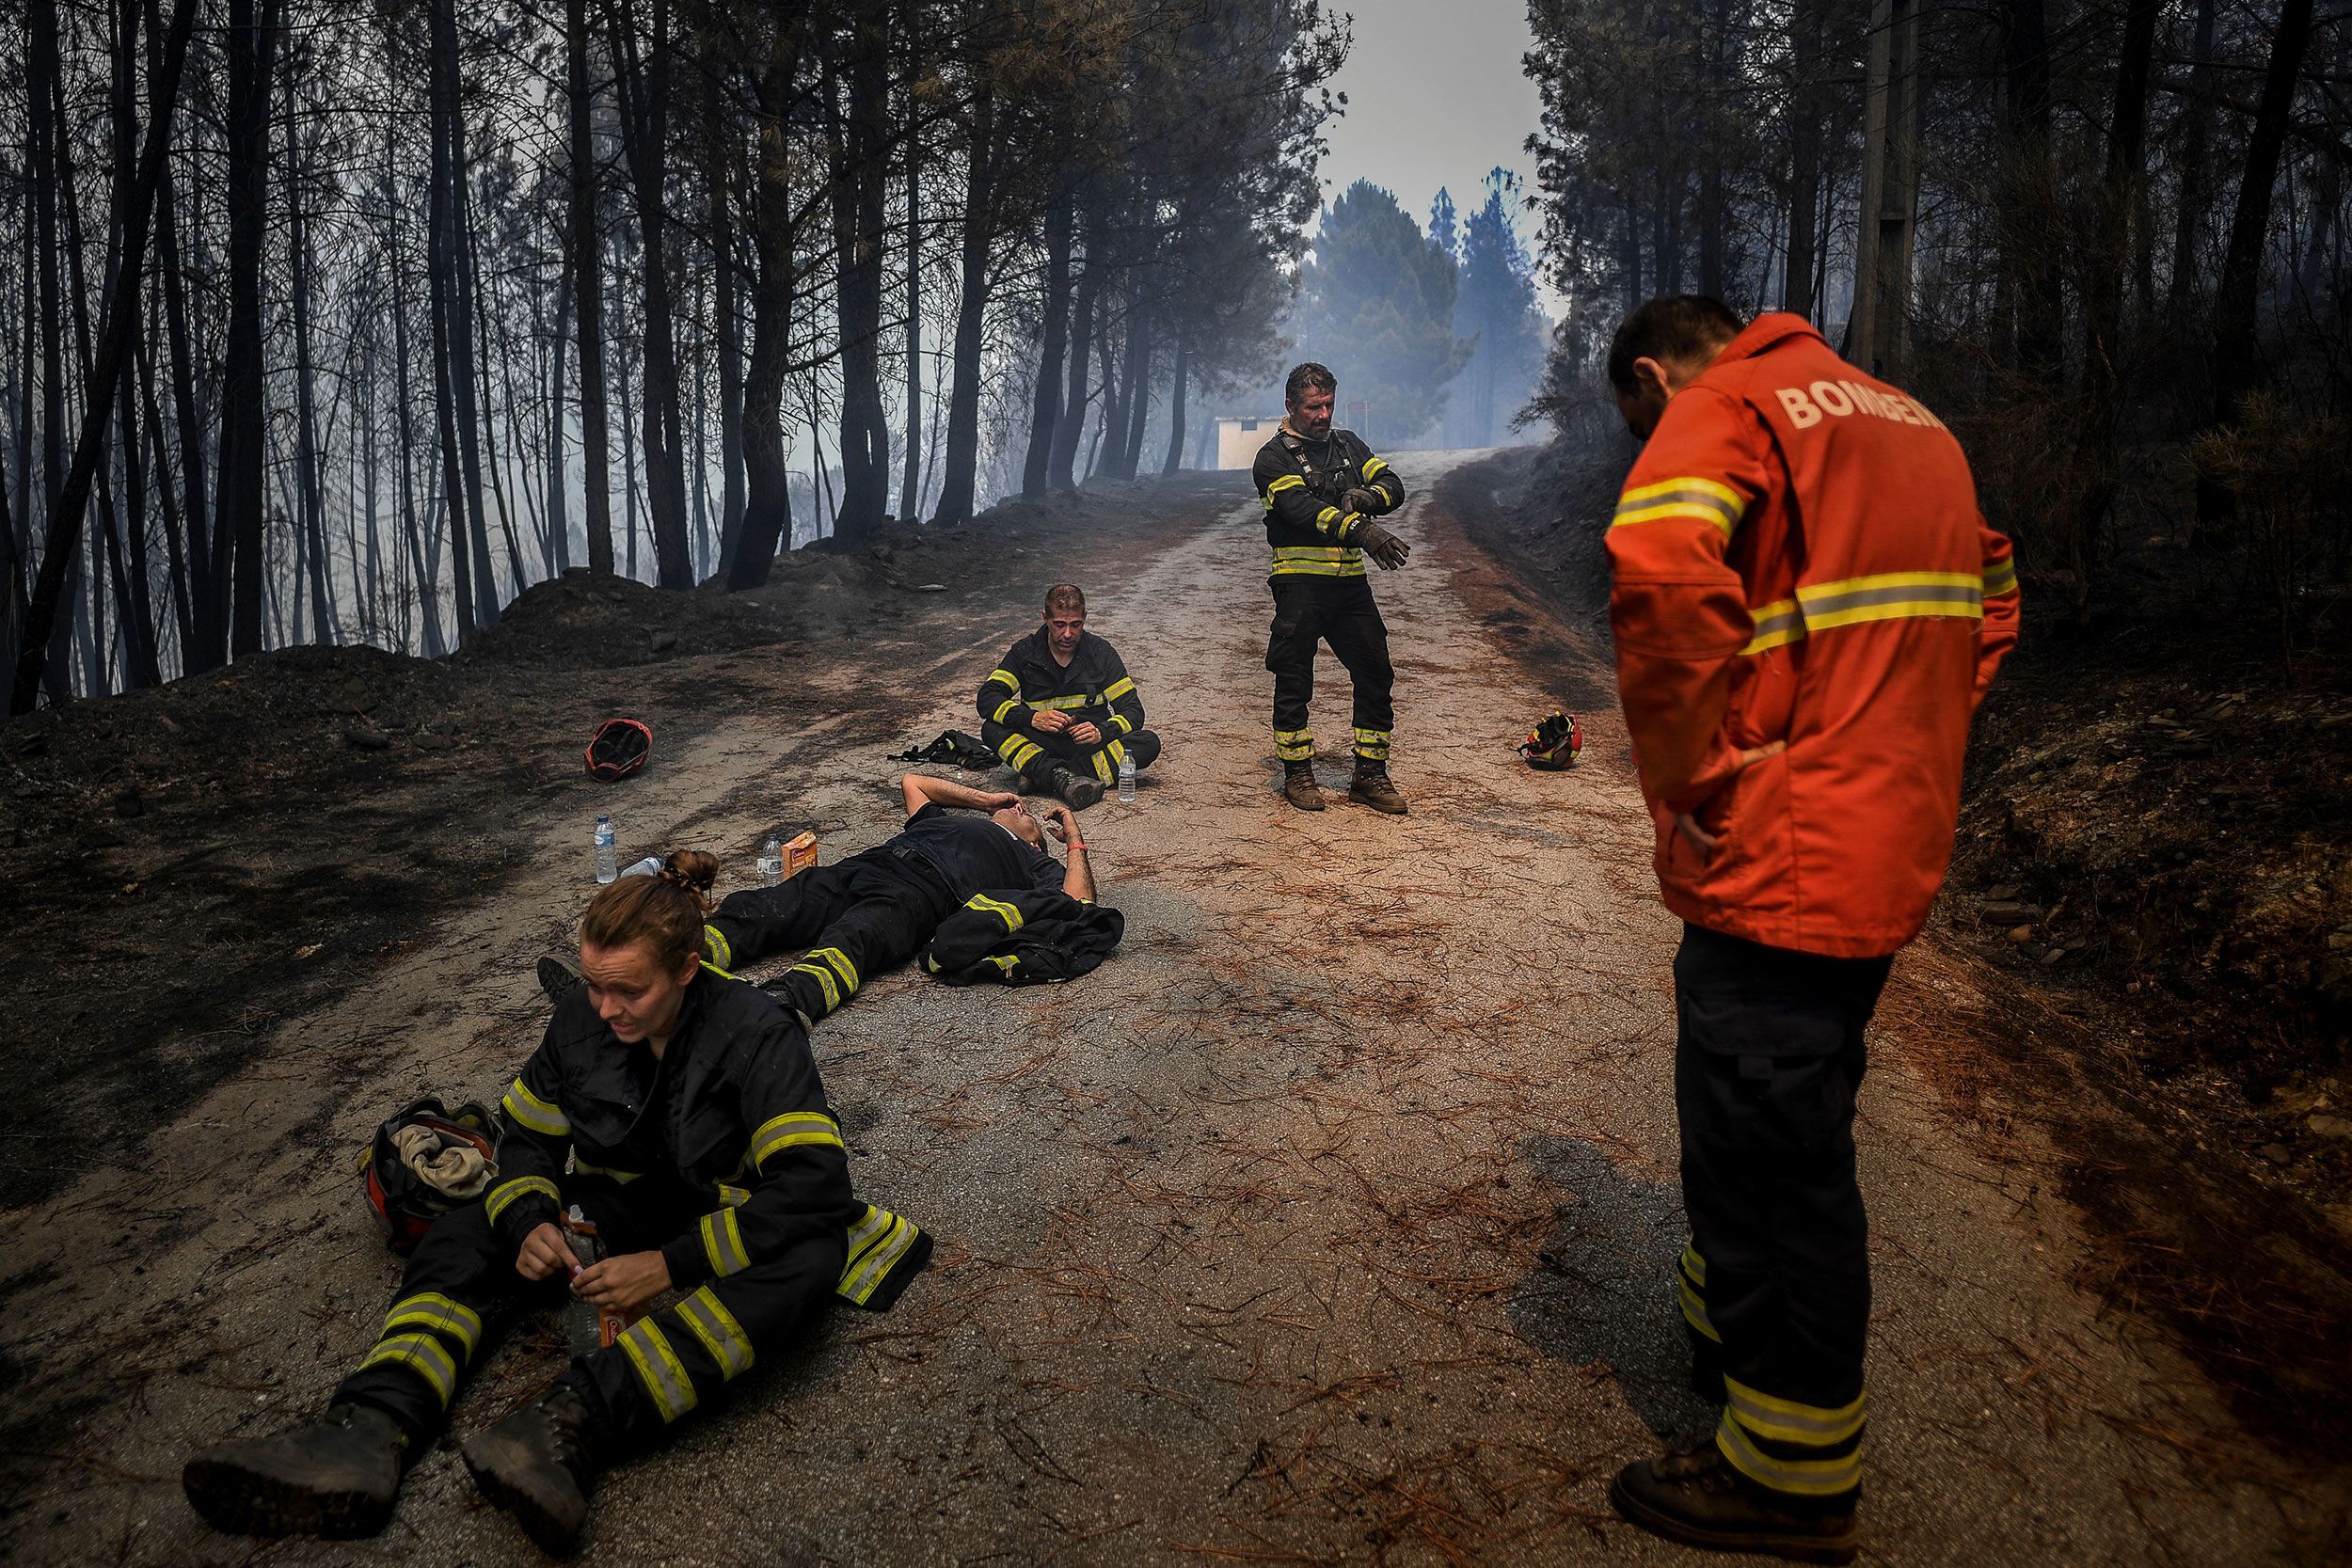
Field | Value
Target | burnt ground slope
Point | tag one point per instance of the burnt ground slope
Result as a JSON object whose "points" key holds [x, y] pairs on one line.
{"points": [[2152, 884], [183, 868]]}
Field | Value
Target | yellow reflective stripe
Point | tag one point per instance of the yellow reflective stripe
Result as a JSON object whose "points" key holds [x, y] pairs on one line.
{"points": [[1126, 725], [1891, 596], [1117, 753], [722, 1244], [1372, 467], [1008, 913], [1102, 767], [583, 1168], [1075, 700], [1294, 745], [2000, 577], [716, 949], [1004, 962], [1286, 482], [1704, 500], [432, 1309], [869, 1225], [825, 982], [841, 963], [1344, 563], [533, 1112], [734, 1197], [1004, 677], [1694, 1265], [861, 1274], [1331, 521], [507, 1192], [420, 1354], [720, 1335], [1017, 751], [1777, 625], [1694, 1311], [1808, 1477], [1788, 1421], [1004, 708], [1118, 689], [659, 1368], [794, 1129]]}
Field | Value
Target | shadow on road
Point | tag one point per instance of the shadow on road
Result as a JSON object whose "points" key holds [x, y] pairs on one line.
{"points": [[1601, 1295]]}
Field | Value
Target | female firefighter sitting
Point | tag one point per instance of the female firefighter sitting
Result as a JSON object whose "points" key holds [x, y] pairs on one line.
{"points": [[701, 1146]]}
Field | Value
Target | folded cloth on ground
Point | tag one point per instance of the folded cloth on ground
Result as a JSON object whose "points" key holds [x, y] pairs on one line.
{"points": [[1022, 937], [449, 1166]]}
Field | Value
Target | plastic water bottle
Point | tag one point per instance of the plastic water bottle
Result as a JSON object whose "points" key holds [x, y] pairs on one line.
{"points": [[649, 866], [606, 867], [1127, 778], [771, 862]]}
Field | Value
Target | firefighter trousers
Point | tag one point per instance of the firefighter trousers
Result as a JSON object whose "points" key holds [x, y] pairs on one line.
{"points": [[461, 1290], [1034, 754], [1775, 1284], [1310, 609], [855, 917]]}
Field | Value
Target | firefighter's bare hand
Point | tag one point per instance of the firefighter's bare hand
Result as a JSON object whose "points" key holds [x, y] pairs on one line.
{"points": [[1085, 734], [544, 1254], [1059, 821], [1383, 547], [1052, 721], [1688, 825], [998, 800], [624, 1284]]}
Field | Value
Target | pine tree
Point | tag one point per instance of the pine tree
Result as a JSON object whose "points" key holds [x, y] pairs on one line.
{"points": [[1377, 306]]}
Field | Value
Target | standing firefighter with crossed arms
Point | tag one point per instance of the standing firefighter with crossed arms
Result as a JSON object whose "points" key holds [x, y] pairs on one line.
{"points": [[1322, 488], [1807, 607]]}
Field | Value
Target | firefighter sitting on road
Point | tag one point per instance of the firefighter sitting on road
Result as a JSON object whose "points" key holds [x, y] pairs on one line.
{"points": [[1322, 488], [701, 1146], [1061, 709], [1807, 607]]}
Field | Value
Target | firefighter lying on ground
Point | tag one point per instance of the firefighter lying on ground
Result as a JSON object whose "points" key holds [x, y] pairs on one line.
{"points": [[701, 1146], [1061, 709], [876, 910], [1322, 488]]}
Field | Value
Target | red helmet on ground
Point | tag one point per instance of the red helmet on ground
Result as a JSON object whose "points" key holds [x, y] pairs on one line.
{"points": [[424, 1161], [618, 748], [1553, 744]]}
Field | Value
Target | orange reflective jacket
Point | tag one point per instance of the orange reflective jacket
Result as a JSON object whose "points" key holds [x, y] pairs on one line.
{"points": [[1799, 557]]}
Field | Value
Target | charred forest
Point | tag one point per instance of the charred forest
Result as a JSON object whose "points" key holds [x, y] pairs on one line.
{"points": [[339, 322]]}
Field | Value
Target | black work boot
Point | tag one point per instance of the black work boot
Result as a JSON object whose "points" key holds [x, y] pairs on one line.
{"points": [[558, 974], [1298, 785], [1074, 789], [1372, 789], [1696, 1497], [335, 1477], [536, 1465]]}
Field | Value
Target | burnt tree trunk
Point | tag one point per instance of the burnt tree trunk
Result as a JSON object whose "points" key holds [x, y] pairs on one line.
{"points": [[1045, 399], [596, 444]]}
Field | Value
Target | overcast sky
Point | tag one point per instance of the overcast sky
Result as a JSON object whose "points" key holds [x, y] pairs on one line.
{"points": [[1435, 97]]}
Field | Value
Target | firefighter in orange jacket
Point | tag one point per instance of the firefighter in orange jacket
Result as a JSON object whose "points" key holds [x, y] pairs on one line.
{"points": [[1807, 607]]}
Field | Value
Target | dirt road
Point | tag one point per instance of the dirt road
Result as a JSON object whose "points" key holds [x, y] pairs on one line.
{"points": [[1332, 1221]]}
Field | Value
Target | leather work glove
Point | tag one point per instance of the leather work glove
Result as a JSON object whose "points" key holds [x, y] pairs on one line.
{"points": [[1363, 498], [1382, 546]]}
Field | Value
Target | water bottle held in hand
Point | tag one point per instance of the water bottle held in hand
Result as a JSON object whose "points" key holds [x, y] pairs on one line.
{"points": [[1127, 778], [607, 867], [589, 1327]]}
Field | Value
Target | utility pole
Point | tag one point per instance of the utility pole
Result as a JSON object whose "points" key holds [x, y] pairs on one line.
{"points": [[1878, 336]]}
